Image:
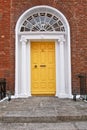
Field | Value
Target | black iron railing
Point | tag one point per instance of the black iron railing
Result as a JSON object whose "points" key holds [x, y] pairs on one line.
{"points": [[83, 86], [2, 88], [83, 83]]}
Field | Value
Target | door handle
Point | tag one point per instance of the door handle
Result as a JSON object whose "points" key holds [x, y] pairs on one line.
{"points": [[42, 65], [35, 66]]}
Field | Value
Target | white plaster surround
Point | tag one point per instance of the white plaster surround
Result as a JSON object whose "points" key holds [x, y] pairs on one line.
{"points": [[23, 57]]}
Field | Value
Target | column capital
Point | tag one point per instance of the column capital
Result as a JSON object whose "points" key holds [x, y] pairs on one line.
{"points": [[61, 39], [23, 40]]}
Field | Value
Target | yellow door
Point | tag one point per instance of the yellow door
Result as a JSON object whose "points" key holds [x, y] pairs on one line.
{"points": [[43, 68]]}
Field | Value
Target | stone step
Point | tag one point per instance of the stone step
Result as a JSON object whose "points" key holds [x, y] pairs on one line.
{"points": [[42, 110], [40, 119], [44, 126]]}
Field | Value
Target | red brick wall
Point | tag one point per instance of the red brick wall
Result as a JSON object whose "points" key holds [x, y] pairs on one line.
{"points": [[5, 44], [76, 13]]}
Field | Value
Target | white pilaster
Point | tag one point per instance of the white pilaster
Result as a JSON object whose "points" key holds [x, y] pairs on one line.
{"points": [[57, 67], [62, 92], [29, 68], [23, 69]]}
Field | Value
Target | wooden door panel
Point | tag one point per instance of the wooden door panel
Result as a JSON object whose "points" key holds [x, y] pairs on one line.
{"points": [[43, 75]]}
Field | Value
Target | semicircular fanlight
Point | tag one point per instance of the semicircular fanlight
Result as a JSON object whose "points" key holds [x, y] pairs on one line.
{"points": [[42, 22]]}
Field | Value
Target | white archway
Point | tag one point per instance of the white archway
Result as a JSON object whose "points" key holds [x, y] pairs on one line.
{"points": [[24, 36]]}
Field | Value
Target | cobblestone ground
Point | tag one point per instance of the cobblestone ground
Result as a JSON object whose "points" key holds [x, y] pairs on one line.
{"points": [[43, 113]]}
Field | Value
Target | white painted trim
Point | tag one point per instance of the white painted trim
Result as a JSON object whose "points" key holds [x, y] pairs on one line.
{"points": [[62, 69], [24, 68], [42, 36], [57, 67], [29, 68], [42, 33]]}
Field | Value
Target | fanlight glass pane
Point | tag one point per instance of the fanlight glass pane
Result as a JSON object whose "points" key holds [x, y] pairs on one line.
{"points": [[42, 22]]}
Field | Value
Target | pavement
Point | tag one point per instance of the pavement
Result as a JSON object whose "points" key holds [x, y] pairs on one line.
{"points": [[43, 113]]}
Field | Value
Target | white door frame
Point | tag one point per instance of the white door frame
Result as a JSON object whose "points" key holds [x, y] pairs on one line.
{"points": [[22, 58], [24, 90]]}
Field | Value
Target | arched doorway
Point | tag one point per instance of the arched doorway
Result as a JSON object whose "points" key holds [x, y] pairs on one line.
{"points": [[42, 24]]}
